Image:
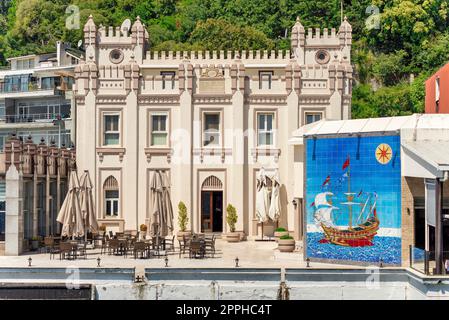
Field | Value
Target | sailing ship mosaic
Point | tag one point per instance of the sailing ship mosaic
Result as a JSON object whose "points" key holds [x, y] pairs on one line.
{"points": [[353, 199]]}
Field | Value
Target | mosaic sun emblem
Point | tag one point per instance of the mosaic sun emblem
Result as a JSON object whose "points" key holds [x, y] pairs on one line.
{"points": [[384, 153]]}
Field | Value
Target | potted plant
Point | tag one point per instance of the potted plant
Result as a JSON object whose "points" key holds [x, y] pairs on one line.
{"points": [[102, 229], [286, 243], [143, 230], [34, 243], [183, 220], [231, 219], [279, 232]]}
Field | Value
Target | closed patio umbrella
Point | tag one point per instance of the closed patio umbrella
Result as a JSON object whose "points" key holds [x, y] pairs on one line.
{"points": [[157, 204], [168, 208], [87, 204], [70, 215], [275, 205], [262, 197]]}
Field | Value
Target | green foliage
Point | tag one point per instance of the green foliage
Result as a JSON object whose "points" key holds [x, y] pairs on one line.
{"points": [[280, 230], [413, 36], [286, 237], [231, 217], [183, 219]]}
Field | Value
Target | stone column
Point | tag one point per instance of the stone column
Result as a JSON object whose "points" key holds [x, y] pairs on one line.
{"points": [[14, 212]]}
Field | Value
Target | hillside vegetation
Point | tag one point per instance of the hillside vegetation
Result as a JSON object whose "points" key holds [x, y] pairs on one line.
{"points": [[392, 56]]}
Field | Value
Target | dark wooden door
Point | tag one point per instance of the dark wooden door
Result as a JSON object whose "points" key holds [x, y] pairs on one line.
{"points": [[212, 211]]}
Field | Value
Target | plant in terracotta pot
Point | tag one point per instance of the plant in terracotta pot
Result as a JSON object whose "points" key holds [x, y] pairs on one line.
{"points": [[34, 242], [231, 219], [183, 220], [279, 232], [286, 243], [143, 230]]}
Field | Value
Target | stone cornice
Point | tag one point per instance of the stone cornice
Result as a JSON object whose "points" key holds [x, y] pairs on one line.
{"points": [[267, 99], [314, 99], [201, 152], [111, 99], [168, 152], [212, 99], [158, 99]]}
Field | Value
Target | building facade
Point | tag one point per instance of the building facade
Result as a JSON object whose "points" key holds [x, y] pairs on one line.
{"points": [[437, 88], [36, 103], [210, 120]]}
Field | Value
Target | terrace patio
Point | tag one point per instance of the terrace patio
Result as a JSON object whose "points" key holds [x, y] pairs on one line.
{"points": [[251, 254]]}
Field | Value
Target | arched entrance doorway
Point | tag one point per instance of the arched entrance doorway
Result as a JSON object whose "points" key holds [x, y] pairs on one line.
{"points": [[212, 205]]}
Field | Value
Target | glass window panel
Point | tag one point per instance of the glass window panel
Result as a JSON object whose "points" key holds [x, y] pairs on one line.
{"points": [[115, 208], [159, 139], [108, 207], [112, 139]]}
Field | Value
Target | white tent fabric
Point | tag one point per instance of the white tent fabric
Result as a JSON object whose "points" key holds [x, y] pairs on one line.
{"points": [[87, 203], [70, 215]]}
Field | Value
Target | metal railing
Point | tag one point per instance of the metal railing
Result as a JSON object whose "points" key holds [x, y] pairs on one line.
{"points": [[36, 117], [29, 87], [424, 261]]}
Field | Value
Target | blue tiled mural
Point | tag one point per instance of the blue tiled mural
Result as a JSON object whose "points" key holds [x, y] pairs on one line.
{"points": [[353, 199]]}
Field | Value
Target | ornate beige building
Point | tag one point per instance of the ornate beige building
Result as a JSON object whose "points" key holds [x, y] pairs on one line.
{"points": [[211, 120]]}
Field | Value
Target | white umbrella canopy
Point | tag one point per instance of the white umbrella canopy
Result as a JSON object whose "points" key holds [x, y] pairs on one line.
{"points": [[275, 203], [87, 203], [70, 215], [262, 197], [161, 218]]}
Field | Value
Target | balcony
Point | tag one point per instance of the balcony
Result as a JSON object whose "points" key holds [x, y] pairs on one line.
{"points": [[31, 89], [36, 117]]}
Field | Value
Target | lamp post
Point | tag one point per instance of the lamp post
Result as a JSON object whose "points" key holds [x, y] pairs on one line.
{"points": [[29, 261], [237, 262], [166, 261], [98, 262]]}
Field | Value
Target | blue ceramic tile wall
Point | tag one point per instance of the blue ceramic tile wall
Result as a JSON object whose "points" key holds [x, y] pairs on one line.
{"points": [[368, 178]]}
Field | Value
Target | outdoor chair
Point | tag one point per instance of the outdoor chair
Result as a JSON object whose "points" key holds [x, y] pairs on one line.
{"points": [[113, 246], [82, 250], [104, 244], [184, 245], [210, 245], [196, 249], [142, 248], [50, 246], [67, 250], [170, 244]]}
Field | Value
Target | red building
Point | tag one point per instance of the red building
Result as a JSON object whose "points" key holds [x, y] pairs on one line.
{"points": [[437, 91]]}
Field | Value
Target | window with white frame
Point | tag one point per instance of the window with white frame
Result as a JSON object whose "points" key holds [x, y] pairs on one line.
{"points": [[111, 133], [313, 117], [265, 78], [159, 130], [168, 79], [265, 132], [211, 129], [111, 197]]}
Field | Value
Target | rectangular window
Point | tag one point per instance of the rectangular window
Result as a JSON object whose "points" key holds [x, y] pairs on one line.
{"points": [[313, 117], [265, 135], [111, 198], [211, 129], [159, 131], [265, 79], [168, 79], [111, 130]]}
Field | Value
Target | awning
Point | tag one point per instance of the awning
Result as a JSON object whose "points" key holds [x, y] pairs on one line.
{"points": [[434, 153]]}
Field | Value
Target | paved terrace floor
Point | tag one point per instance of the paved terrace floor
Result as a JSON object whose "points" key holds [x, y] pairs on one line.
{"points": [[251, 254]]}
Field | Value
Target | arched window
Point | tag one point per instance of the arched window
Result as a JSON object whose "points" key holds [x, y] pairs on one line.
{"points": [[212, 183], [111, 196]]}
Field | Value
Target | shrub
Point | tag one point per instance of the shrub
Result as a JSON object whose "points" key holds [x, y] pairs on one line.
{"points": [[231, 217], [286, 237], [143, 227], [280, 230], [183, 219]]}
